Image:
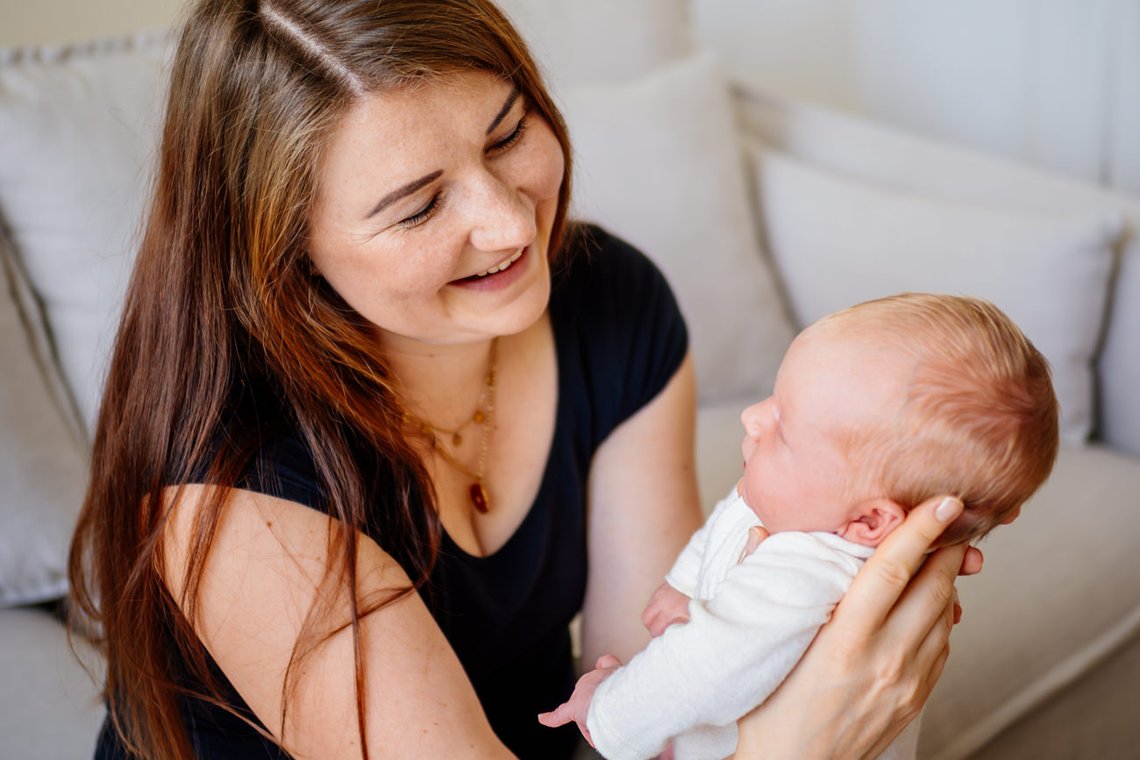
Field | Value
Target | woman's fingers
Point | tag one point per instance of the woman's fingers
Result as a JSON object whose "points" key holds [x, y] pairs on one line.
{"points": [[972, 562], [756, 536], [929, 597], [932, 653], [884, 578]]}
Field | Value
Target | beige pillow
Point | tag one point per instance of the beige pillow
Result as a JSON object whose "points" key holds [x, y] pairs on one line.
{"points": [[42, 466], [589, 41], [78, 126], [838, 241], [659, 163]]}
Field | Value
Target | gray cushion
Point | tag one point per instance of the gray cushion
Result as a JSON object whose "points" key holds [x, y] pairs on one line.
{"points": [[42, 465], [49, 708], [1060, 591]]}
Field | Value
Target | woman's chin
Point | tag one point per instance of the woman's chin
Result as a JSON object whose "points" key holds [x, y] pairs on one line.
{"points": [[513, 300]]}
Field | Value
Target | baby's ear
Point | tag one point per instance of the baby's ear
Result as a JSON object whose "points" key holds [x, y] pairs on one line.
{"points": [[876, 519]]}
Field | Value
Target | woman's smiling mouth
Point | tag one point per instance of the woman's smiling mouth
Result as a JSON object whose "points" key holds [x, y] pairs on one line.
{"points": [[500, 275], [502, 265]]}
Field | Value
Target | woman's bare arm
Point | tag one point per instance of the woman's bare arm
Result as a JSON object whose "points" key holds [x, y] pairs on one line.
{"points": [[643, 506], [258, 583], [871, 668]]}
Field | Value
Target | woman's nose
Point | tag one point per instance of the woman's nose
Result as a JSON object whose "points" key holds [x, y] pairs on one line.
{"points": [[503, 217]]}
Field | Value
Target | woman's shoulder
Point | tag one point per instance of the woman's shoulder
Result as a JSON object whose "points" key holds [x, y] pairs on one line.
{"points": [[259, 447], [602, 280], [595, 261], [615, 318]]}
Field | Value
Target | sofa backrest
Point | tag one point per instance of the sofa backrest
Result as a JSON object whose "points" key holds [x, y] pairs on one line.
{"points": [[905, 163]]}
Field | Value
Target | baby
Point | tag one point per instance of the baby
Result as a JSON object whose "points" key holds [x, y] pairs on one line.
{"points": [[876, 409]]}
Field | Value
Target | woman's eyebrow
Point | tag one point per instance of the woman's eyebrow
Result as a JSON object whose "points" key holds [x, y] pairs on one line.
{"points": [[506, 109], [406, 190], [427, 179]]}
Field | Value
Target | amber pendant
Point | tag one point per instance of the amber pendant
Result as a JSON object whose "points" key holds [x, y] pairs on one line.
{"points": [[478, 496]]}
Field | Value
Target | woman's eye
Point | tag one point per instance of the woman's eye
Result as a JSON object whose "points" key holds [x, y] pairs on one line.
{"points": [[421, 216], [512, 138]]}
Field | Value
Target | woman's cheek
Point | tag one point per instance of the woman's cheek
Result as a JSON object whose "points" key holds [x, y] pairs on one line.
{"points": [[547, 164]]}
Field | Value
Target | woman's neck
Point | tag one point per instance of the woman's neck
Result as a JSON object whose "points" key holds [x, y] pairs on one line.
{"points": [[439, 383]]}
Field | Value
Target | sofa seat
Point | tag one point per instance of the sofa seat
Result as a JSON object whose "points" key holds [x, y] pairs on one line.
{"points": [[54, 711]]}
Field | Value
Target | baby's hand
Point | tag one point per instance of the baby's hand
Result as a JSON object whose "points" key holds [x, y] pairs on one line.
{"points": [[666, 607], [578, 706]]}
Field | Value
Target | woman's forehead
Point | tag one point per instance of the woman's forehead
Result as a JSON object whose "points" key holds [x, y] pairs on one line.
{"points": [[444, 96], [397, 135]]}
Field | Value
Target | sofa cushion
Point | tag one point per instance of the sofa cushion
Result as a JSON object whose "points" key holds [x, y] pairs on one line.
{"points": [[1059, 593], [590, 41], [1050, 273], [77, 131], [50, 708], [909, 163], [659, 163], [42, 467]]}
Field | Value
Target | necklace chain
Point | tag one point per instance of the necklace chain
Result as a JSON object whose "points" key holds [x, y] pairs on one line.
{"points": [[484, 416]]}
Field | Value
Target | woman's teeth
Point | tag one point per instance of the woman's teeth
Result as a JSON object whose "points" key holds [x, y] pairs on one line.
{"points": [[504, 265]]}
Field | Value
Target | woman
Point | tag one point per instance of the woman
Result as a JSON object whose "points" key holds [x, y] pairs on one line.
{"points": [[368, 387]]}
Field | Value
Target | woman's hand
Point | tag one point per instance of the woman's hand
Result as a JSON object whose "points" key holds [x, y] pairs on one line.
{"points": [[871, 668]]}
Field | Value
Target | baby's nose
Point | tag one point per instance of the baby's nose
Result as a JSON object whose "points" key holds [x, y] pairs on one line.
{"points": [[752, 419]]}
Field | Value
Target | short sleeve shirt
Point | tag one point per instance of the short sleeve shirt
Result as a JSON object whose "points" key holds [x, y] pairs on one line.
{"points": [[619, 339]]}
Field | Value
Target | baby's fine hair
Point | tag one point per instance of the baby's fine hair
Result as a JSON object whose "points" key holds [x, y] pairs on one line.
{"points": [[979, 420]]}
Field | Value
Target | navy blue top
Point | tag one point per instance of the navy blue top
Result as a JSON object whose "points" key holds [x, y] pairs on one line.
{"points": [[619, 337]]}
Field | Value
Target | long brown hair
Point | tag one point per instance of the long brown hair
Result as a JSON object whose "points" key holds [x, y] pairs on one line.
{"points": [[223, 306]]}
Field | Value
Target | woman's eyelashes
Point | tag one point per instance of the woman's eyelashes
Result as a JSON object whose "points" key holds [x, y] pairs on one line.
{"points": [[515, 135], [421, 216], [500, 146]]}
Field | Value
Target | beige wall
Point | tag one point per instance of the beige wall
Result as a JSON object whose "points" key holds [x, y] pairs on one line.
{"points": [[27, 22]]}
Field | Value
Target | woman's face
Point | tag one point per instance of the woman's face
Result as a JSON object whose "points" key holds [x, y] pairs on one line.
{"points": [[434, 210]]}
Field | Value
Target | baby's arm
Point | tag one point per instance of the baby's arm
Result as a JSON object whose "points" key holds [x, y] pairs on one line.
{"points": [[578, 706], [687, 567], [666, 607], [735, 651]]}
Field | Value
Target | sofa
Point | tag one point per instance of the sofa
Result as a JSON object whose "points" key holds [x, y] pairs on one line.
{"points": [[764, 213]]}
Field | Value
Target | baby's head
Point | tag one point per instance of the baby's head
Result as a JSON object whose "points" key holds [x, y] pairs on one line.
{"points": [[888, 403]]}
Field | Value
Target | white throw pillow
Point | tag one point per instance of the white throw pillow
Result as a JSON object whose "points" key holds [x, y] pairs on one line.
{"points": [[659, 163], [78, 126], [42, 467], [591, 41], [837, 242]]}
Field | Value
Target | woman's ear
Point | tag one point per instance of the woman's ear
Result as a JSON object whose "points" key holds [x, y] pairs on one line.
{"points": [[876, 519]]}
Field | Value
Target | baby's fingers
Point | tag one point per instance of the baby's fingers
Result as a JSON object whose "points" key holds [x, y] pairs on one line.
{"points": [[607, 661], [559, 716]]}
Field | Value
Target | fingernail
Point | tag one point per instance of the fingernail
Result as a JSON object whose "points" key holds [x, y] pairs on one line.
{"points": [[948, 509]]}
